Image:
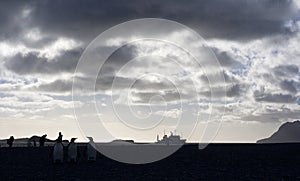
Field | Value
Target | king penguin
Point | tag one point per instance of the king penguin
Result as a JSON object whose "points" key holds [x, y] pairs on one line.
{"points": [[91, 151], [58, 152], [72, 151]]}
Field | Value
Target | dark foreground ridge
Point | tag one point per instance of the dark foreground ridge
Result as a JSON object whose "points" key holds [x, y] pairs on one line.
{"points": [[216, 162], [287, 133]]}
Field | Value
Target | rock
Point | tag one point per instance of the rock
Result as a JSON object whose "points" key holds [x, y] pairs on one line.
{"points": [[287, 133]]}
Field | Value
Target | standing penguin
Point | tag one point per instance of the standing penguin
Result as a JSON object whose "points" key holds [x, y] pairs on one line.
{"points": [[10, 141], [60, 136], [58, 152], [91, 151], [72, 151], [42, 140]]}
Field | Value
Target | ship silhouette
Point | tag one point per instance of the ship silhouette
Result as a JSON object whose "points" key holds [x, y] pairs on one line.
{"points": [[173, 139]]}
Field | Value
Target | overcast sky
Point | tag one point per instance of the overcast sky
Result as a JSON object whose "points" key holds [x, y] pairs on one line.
{"points": [[256, 42]]}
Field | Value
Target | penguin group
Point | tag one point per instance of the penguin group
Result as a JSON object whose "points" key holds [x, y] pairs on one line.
{"points": [[59, 151], [72, 156]]}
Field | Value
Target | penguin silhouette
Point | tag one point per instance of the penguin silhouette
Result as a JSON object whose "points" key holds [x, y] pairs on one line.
{"points": [[91, 151], [72, 151], [10, 141], [58, 152], [60, 136], [42, 140]]}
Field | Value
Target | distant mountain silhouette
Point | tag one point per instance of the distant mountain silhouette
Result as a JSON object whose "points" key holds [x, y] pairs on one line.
{"points": [[287, 133]]}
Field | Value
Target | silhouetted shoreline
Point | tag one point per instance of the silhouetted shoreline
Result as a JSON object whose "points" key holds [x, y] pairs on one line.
{"points": [[216, 162]]}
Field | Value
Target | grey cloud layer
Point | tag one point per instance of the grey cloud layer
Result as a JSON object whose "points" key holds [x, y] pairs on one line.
{"points": [[85, 19], [218, 19], [284, 77], [32, 63], [82, 20], [239, 21]]}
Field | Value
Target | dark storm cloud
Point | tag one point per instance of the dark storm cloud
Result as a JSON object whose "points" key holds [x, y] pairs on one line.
{"points": [[233, 90], [228, 78], [234, 87], [288, 85], [83, 20], [225, 59], [275, 116], [227, 19], [66, 85], [161, 85], [103, 83], [275, 98], [285, 77], [32, 63], [223, 19], [10, 18], [117, 60], [113, 82], [286, 70], [163, 96], [42, 43], [56, 86]]}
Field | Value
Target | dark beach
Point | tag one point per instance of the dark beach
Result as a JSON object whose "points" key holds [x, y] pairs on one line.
{"points": [[215, 162]]}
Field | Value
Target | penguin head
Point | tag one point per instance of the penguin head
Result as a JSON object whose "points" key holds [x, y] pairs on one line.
{"points": [[90, 138]]}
